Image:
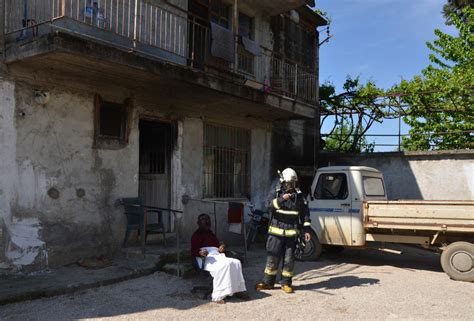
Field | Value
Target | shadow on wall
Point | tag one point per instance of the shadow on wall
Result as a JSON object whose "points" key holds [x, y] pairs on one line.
{"points": [[291, 144]]}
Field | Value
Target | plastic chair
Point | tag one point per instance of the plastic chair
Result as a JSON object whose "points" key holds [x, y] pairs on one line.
{"points": [[206, 289], [136, 214]]}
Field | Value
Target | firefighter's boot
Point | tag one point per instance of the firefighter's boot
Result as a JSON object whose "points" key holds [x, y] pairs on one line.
{"points": [[287, 288], [262, 286]]}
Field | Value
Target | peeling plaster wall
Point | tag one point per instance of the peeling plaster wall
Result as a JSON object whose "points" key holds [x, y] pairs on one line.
{"points": [[20, 242], [7, 161], [62, 189], [58, 195]]}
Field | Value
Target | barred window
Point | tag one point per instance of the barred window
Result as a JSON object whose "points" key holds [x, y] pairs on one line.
{"points": [[226, 162]]}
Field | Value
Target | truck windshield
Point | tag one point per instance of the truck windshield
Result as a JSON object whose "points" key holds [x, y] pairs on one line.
{"points": [[373, 186], [331, 187]]}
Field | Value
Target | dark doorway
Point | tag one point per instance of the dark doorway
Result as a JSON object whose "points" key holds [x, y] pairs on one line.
{"points": [[156, 145]]}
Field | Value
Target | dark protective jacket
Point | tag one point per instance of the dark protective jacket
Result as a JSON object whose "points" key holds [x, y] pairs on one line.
{"points": [[288, 216]]}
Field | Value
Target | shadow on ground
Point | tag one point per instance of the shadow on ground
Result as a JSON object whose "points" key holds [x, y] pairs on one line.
{"points": [[412, 258], [340, 282]]}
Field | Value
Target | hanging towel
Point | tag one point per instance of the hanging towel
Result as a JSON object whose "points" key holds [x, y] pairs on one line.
{"points": [[251, 46], [235, 212], [222, 43]]}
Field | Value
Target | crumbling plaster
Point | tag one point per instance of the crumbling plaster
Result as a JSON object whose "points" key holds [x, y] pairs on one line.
{"points": [[60, 184]]}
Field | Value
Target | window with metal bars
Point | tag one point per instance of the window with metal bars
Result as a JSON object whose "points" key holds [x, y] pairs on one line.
{"points": [[226, 162]]}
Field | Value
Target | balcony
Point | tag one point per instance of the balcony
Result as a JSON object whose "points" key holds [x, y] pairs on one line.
{"points": [[274, 7], [165, 34]]}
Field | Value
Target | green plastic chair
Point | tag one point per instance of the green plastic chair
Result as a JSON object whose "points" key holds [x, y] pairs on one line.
{"points": [[136, 214]]}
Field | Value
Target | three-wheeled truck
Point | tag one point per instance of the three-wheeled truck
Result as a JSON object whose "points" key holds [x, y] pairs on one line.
{"points": [[349, 208]]}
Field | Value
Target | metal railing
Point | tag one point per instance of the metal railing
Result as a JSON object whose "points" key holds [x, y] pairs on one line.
{"points": [[169, 34]]}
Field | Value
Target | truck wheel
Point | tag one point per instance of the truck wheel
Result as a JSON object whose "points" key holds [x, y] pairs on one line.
{"points": [[457, 261], [312, 250]]}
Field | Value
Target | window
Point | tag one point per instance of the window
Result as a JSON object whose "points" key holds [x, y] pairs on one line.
{"points": [[111, 123], [226, 162], [373, 186], [245, 26], [300, 44], [220, 13], [297, 42], [331, 187], [245, 59]]}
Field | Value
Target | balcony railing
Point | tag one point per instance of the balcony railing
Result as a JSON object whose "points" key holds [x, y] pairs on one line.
{"points": [[164, 33]]}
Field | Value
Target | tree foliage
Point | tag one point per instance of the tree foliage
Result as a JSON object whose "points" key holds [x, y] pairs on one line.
{"points": [[354, 111], [441, 99], [455, 7]]}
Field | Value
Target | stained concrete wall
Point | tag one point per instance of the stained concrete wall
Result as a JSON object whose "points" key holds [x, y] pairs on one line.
{"points": [[60, 193], [7, 161], [446, 175]]}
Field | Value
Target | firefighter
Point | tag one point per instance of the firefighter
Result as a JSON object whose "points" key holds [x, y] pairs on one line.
{"points": [[290, 212]]}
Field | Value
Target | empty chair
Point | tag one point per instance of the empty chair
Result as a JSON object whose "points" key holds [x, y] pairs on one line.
{"points": [[137, 215]]}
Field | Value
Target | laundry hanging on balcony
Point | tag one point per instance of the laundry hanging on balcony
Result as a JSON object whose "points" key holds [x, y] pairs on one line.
{"points": [[251, 46], [93, 11], [222, 43]]}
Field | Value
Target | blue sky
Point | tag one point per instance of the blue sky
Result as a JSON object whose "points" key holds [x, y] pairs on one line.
{"points": [[382, 40]]}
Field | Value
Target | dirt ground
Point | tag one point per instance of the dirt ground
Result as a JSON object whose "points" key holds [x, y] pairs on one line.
{"points": [[352, 285]]}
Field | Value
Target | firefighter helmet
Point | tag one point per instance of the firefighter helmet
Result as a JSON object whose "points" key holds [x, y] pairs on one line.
{"points": [[288, 175]]}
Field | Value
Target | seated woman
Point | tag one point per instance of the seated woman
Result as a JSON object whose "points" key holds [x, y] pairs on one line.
{"points": [[226, 272]]}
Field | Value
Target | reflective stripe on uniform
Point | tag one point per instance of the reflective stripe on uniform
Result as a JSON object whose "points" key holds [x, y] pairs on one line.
{"points": [[282, 232], [307, 224], [287, 274], [269, 271], [275, 203], [287, 212]]}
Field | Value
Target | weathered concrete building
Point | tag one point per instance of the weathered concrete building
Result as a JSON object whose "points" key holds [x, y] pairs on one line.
{"points": [[103, 99]]}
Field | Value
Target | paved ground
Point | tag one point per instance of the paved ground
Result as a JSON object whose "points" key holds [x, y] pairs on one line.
{"points": [[351, 285], [68, 279]]}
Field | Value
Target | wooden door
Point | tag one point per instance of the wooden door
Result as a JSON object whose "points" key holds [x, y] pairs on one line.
{"points": [[155, 159]]}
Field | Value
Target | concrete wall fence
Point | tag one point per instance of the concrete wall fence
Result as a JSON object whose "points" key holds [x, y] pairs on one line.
{"points": [[432, 175]]}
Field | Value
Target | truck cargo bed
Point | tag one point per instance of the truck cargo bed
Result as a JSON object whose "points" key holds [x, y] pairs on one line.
{"points": [[450, 216]]}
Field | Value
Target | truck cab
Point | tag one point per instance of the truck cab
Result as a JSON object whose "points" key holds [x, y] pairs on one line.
{"points": [[336, 199]]}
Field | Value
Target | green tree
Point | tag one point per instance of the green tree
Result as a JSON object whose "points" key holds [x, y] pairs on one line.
{"points": [[456, 7], [441, 99], [341, 140], [353, 111]]}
